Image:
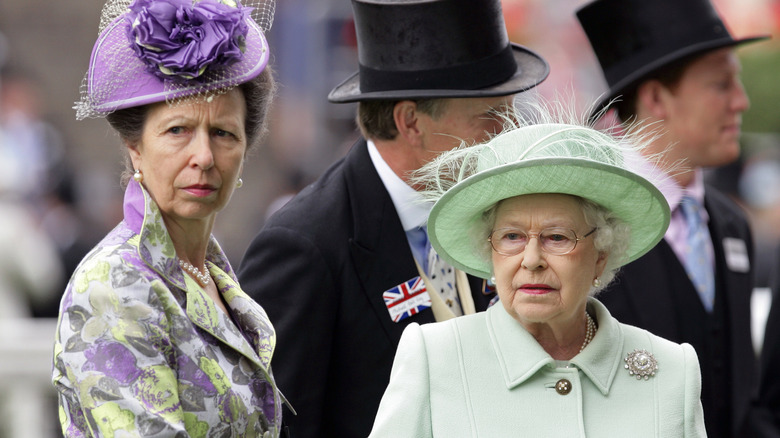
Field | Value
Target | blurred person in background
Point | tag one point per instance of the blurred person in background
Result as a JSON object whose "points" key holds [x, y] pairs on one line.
{"points": [[30, 269], [33, 143], [758, 188], [155, 336], [550, 208], [32, 274], [671, 64], [31, 279], [39, 176], [344, 266]]}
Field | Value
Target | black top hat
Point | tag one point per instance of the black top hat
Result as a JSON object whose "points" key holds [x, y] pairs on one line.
{"points": [[415, 49], [634, 38]]}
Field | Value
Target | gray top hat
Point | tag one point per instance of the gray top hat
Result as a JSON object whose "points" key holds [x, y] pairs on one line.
{"points": [[416, 49]]}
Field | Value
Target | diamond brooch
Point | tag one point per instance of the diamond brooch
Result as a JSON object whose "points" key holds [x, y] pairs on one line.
{"points": [[641, 363]]}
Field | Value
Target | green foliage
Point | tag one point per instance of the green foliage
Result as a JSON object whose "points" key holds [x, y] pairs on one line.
{"points": [[761, 77]]}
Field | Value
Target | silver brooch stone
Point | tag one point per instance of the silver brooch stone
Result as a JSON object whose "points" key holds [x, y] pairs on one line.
{"points": [[641, 363]]}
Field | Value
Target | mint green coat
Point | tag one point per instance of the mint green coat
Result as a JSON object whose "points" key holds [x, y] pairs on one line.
{"points": [[484, 375]]}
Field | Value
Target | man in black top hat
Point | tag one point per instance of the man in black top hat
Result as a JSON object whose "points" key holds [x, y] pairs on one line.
{"points": [[343, 267], [672, 66]]}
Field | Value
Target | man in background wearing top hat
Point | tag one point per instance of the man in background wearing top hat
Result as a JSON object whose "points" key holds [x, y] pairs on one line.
{"points": [[342, 269], [673, 67]]}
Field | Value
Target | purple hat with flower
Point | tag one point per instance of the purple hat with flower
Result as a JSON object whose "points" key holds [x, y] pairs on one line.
{"points": [[168, 50]]}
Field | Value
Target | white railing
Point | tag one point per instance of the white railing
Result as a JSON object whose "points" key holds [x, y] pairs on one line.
{"points": [[27, 397]]}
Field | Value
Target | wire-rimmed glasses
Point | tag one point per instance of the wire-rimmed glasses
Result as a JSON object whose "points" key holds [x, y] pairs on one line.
{"points": [[554, 240]]}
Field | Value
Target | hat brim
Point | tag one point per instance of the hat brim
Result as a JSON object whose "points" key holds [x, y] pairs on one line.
{"points": [[632, 198], [137, 86], [637, 75], [531, 71]]}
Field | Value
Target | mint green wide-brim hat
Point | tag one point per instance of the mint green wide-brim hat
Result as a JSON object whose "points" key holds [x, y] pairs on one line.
{"points": [[544, 158]]}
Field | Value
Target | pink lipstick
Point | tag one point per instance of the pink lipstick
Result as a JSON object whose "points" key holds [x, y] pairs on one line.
{"points": [[200, 190], [535, 289]]}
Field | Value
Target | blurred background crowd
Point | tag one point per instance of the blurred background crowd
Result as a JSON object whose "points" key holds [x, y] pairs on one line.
{"points": [[59, 179]]}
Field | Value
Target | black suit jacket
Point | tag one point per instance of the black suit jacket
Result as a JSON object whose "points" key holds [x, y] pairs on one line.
{"points": [[319, 268], [768, 403], [649, 293]]}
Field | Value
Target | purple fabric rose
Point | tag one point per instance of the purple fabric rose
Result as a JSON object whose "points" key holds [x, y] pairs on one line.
{"points": [[178, 39]]}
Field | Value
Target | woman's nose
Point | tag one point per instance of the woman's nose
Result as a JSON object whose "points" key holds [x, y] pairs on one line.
{"points": [[533, 257], [202, 156]]}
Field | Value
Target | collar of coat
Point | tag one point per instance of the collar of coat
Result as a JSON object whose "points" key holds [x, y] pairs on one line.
{"points": [[600, 361], [249, 321]]}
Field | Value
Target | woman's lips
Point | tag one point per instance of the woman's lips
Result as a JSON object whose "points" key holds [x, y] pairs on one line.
{"points": [[200, 190], [535, 289]]}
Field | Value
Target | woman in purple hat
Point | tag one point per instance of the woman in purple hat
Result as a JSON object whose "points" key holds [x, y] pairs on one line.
{"points": [[155, 336]]}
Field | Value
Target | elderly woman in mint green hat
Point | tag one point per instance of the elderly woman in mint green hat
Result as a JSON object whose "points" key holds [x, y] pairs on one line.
{"points": [[155, 335], [549, 211]]}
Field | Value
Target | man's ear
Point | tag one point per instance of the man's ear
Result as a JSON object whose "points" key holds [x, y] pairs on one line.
{"points": [[651, 99], [407, 121]]}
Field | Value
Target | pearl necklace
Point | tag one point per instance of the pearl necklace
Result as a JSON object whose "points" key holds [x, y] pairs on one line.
{"points": [[590, 331], [203, 278]]}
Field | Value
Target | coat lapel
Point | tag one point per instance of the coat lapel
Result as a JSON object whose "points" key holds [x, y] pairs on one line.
{"points": [[250, 317], [378, 245], [520, 356], [205, 314], [518, 353]]}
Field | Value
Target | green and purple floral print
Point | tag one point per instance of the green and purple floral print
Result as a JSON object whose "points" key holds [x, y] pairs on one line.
{"points": [[142, 351]]}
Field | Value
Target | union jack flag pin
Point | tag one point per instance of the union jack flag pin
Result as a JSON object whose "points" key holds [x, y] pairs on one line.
{"points": [[407, 299]]}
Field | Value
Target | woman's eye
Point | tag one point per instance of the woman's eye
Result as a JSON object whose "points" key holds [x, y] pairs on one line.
{"points": [[513, 236], [176, 130], [557, 237], [223, 133]]}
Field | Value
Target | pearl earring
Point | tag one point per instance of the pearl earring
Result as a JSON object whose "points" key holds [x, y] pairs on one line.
{"points": [[596, 282], [239, 183], [138, 176]]}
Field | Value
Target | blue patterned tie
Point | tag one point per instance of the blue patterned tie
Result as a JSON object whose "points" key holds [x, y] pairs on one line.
{"points": [[697, 263], [440, 273], [442, 276], [418, 241]]}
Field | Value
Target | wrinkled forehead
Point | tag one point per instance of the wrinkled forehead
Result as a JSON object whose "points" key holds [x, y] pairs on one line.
{"points": [[540, 210]]}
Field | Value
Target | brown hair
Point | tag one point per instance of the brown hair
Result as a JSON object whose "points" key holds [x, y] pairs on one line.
{"points": [[375, 117], [669, 76]]}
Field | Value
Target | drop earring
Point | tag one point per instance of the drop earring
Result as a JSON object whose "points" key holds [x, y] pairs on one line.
{"points": [[138, 176], [239, 183], [596, 282]]}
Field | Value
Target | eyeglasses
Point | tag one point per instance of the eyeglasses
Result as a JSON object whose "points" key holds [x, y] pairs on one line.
{"points": [[555, 240]]}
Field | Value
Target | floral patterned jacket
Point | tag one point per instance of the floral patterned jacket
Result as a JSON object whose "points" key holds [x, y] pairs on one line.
{"points": [[141, 350]]}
